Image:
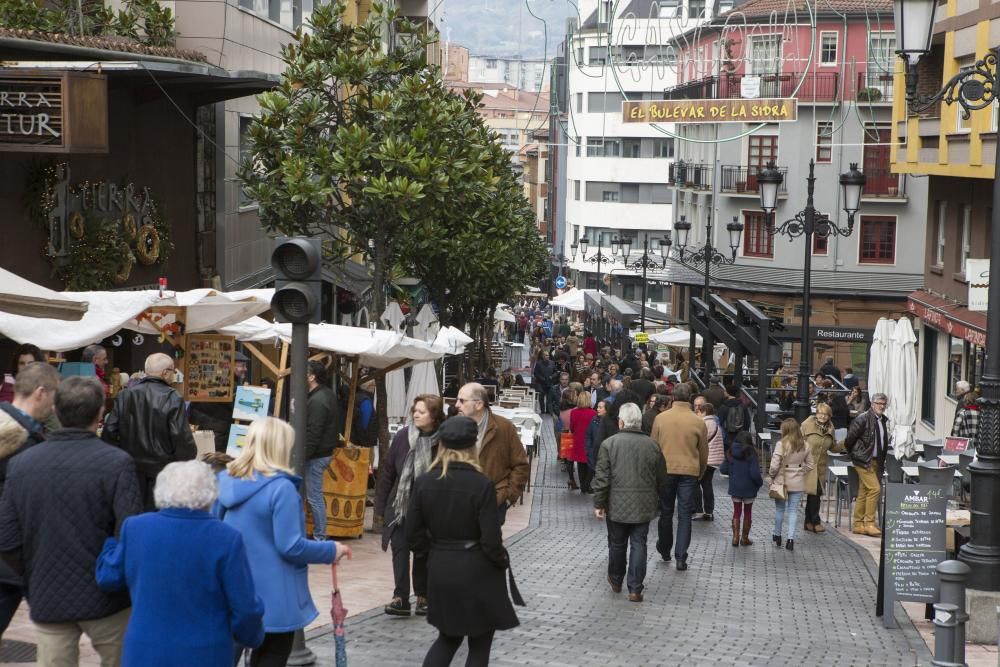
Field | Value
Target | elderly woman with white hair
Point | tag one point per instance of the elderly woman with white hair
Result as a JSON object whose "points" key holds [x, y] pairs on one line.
{"points": [[630, 473], [188, 575]]}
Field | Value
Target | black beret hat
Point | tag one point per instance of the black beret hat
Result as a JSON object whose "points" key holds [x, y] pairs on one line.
{"points": [[458, 433]]}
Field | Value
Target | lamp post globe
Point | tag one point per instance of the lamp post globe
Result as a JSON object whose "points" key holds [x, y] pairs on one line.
{"points": [[914, 21], [683, 228], [735, 229], [769, 180], [852, 182]]}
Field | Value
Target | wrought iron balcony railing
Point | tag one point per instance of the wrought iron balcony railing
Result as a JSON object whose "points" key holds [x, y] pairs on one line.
{"points": [[816, 87]]}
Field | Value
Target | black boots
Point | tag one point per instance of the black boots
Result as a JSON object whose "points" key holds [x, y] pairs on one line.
{"points": [[790, 545], [777, 540]]}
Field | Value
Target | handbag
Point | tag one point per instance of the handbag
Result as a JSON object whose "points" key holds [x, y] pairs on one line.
{"points": [[565, 445], [777, 490]]}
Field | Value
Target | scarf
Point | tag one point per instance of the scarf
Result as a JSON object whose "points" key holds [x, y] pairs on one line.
{"points": [[418, 461]]}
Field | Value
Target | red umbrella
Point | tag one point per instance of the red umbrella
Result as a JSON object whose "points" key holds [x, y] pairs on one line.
{"points": [[339, 614]]}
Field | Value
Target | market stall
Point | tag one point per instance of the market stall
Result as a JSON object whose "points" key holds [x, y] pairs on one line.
{"points": [[25, 298]]}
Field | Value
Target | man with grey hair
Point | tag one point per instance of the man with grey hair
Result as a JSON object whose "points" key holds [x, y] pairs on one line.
{"points": [[55, 536], [961, 389], [97, 355], [149, 422], [630, 473], [867, 442], [501, 453]]}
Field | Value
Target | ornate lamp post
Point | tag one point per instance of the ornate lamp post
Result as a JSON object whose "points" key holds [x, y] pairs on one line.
{"points": [[644, 262], [808, 222], [974, 87], [599, 259], [707, 255]]}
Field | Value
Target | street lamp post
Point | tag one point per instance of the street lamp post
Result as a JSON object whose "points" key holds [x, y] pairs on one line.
{"points": [[645, 262], [808, 222], [974, 87], [599, 259], [707, 255]]}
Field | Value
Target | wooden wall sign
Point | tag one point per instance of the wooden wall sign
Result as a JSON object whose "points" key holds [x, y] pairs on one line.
{"points": [[64, 112]]}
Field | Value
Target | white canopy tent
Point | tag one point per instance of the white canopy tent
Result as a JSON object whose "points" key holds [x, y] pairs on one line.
{"points": [[501, 315], [107, 312], [23, 297], [674, 337], [573, 299]]}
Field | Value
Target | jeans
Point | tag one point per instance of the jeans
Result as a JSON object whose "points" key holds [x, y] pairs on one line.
{"points": [[793, 512], [704, 498], [679, 490], [621, 536], [59, 643], [401, 566], [315, 469]]}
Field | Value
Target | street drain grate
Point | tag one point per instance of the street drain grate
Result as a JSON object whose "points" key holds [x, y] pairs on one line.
{"points": [[15, 651]]}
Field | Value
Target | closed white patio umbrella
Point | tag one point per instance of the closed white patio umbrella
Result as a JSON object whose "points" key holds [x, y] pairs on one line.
{"points": [[878, 357], [395, 381], [902, 387], [423, 379]]}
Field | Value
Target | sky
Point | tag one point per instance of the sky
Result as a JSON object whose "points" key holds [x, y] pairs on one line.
{"points": [[506, 27]]}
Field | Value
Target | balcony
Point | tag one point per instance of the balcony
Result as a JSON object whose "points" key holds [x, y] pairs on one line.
{"points": [[874, 87], [742, 180], [883, 184], [692, 176], [816, 87]]}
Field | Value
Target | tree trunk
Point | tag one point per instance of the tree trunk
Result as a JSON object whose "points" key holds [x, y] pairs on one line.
{"points": [[381, 395]]}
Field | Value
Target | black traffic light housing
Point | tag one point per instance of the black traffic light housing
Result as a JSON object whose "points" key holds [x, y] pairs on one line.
{"points": [[298, 280]]}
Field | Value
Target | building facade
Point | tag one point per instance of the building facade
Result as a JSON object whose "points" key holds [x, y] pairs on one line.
{"points": [[841, 82], [530, 74], [956, 155]]}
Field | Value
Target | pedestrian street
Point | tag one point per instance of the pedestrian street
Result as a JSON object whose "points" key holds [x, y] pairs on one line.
{"points": [[741, 606]]}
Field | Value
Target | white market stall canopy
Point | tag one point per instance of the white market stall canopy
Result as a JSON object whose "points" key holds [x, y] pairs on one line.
{"points": [[674, 337], [107, 312], [27, 299], [501, 315], [573, 299], [375, 348]]}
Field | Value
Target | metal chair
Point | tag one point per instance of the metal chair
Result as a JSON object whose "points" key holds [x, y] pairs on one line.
{"points": [[847, 499], [935, 476], [893, 469], [932, 448]]}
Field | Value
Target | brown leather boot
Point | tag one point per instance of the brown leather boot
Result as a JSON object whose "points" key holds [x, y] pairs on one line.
{"points": [[872, 530], [745, 538], [736, 531]]}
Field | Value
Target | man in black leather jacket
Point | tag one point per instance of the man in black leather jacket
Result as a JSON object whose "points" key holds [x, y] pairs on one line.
{"points": [[149, 422], [867, 441]]}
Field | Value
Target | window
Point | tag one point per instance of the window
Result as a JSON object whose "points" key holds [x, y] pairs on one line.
{"points": [[824, 141], [877, 240], [632, 147], [668, 9], [609, 195], [942, 210], [491, 63], [610, 102], [765, 54], [828, 48], [663, 147], [604, 11], [579, 55], [576, 190], [956, 350], [579, 102], [756, 240], [966, 248], [598, 55], [245, 122], [696, 9], [283, 12], [762, 149], [879, 179], [928, 341], [962, 124], [578, 143], [882, 51], [821, 244], [603, 147]]}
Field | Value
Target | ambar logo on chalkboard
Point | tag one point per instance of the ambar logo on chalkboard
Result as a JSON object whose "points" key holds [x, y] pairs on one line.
{"points": [[915, 498]]}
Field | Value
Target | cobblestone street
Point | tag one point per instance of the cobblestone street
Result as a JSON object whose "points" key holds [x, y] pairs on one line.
{"points": [[735, 606]]}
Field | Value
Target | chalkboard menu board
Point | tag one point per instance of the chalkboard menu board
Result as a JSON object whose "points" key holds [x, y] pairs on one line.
{"points": [[914, 541]]}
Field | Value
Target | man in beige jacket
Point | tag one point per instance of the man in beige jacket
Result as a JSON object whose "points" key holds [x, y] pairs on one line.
{"points": [[683, 439]]}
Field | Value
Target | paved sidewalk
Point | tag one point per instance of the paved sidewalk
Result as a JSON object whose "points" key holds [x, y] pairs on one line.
{"points": [[735, 606]]}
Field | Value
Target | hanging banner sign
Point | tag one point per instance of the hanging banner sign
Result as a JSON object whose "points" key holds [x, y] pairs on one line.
{"points": [[711, 111], [977, 272], [53, 113], [750, 87]]}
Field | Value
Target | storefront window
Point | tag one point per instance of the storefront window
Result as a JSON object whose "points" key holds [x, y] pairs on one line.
{"points": [[975, 357], [929, 356], [956, 354]]}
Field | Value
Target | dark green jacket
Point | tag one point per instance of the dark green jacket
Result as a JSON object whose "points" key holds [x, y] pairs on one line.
{"points": [[321, 422], [630, 473]]}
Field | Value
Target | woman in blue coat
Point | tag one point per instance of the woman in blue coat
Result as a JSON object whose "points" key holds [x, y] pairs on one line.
{"points": [[744, 483], [188, 576], [259, 496]]}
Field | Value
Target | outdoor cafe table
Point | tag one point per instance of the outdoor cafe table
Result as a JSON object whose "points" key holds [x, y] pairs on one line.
{"points": [[950, 459]]}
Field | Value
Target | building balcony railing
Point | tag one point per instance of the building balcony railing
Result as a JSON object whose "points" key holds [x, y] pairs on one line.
{"points": [[692, 176], [743, 180], [883, 184], [874, 86], [816, 87]]}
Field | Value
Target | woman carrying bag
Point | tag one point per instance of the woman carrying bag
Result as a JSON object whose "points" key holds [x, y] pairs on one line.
{"points": [[790, 464], [818, 433], [453, 515]]}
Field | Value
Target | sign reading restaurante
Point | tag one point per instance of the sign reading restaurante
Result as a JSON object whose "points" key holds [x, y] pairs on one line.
{"points": [[710, 111], [54, 113]]}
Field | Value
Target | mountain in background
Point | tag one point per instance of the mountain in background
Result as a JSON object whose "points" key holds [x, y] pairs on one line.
{"points": [[506, 27]]}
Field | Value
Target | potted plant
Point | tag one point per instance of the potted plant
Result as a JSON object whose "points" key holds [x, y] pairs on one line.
{"points": [[869, 95]]}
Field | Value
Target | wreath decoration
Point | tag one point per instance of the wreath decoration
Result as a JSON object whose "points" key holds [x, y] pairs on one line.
{"points": [[129, 227], [125, 268], [76, 225], [147, 244]]}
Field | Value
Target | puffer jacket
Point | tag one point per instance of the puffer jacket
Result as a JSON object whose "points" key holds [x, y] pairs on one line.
{"points": [[861, 438], [716, 448], [744, 471], [630, 473], [17, 433], [148, 422]]}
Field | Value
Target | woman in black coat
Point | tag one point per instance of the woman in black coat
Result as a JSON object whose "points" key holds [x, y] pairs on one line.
{"points": [[453, 515]]}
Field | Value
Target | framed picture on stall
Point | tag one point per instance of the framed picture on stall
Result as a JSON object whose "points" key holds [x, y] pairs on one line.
{"points": [[208, 368]]}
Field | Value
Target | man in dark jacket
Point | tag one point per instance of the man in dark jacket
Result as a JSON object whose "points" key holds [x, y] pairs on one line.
{"points": [[149, 422], [867, 442], [542, 378], [321, 435], [630, 473], [829, 369], [738, 421], [714, 393], [62, 499], [20, 428]]}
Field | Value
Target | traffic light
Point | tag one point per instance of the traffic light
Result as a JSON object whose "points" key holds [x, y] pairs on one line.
{"points": [[298, 272]]}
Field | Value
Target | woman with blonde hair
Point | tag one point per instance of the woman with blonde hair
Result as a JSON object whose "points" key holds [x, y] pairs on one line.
{"points": [[818, 432], [790, 464], [259, 496], [453, 515]]}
